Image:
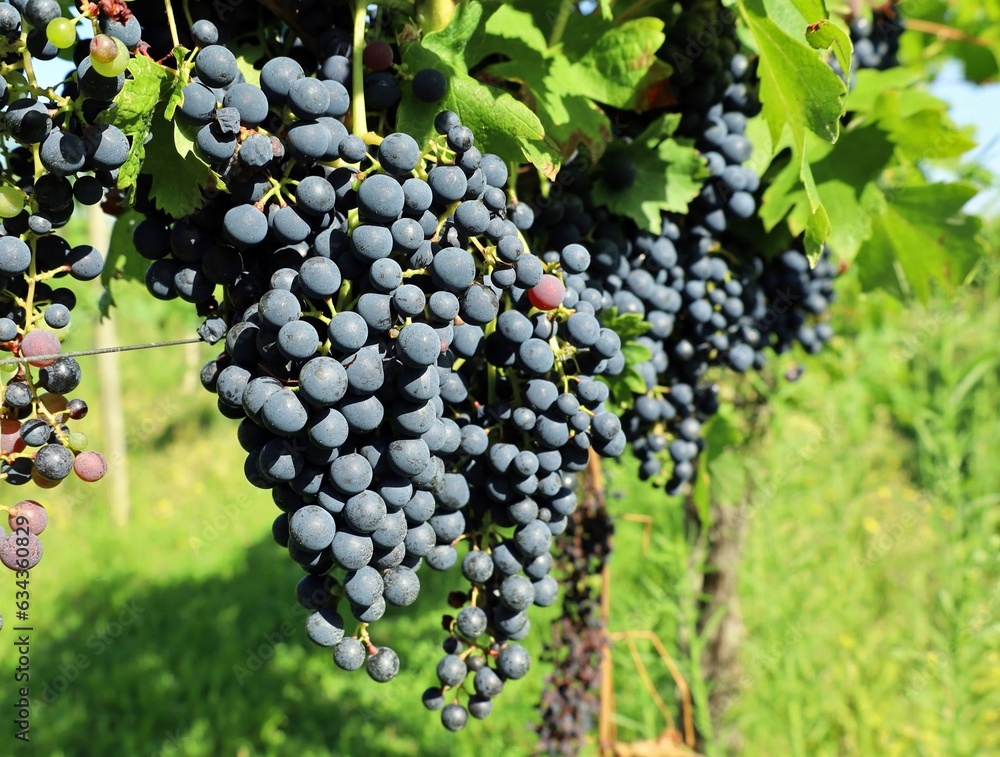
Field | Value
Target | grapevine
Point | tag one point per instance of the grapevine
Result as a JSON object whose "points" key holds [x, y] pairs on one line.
{"points": [[434, 307]]}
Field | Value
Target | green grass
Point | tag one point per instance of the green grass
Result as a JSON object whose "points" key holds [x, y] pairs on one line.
{"points": [[871, 576], [869, 588]]}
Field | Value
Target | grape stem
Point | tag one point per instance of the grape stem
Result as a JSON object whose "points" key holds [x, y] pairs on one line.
{"points": [[172, 23], [359, 120], [186, 7], [559, 26]]}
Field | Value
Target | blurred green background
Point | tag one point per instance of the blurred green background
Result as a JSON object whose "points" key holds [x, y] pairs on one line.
{"points": [[870, 588]]}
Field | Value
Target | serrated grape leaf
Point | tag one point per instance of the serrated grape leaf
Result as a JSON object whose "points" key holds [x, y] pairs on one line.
{"points": [[177, 177], [628, 326], [569, 120], [619, 69], [141, 110], [669, 174], [800, 93], [919, 125], [617, 63], [122, 261], [635, 353], [174, 92], [916, 120], [824, 35], [502, 125], [133, 111], [845, 175], [923, 236]]}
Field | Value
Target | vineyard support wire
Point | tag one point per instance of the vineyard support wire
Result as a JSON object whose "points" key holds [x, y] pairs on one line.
{"points": [[100, 351]]}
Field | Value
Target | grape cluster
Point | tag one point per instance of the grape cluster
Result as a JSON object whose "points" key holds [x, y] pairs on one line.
{"points": [[720, 134], [409, 377], [875, 40], [700, 45], [58, 155], [407, 374]]}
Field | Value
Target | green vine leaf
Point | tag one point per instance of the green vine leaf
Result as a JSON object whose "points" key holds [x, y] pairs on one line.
{"points": [[134, 110], [143, 110], [922, 237], [566, 85], [800, 94], [824, 35], [502, 124], [669, 175]]}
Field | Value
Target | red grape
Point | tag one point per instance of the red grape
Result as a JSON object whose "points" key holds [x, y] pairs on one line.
{"points": [[54, 403], [90, 466], [378, 55], [36, 517], [41, 482], [10, 437], [40, 342], [103, 48], [77, 409], [548, 293], [30, 553]]}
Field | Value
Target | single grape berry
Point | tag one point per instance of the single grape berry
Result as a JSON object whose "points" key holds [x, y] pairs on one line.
{"points": [[378, 55], [90, 466], [429, 85], [548, 293]]}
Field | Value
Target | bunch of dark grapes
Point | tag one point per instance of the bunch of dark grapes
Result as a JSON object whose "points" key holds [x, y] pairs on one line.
{"points": [[57, 154], [331, 352], [798, 296], [410, 378], [700, 45], [720, 134], [716, 95], [875, 40]]}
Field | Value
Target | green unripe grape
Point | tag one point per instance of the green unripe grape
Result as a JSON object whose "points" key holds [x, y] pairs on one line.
{"points": [[11, 201], [61, 32], [8, 368], [78, 441], [116, 65]]}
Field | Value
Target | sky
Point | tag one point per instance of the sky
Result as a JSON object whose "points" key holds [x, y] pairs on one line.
{"points": [[977, 106]]}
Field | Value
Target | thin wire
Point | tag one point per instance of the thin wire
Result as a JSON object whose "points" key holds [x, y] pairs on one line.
{"points": [[102, 351]]}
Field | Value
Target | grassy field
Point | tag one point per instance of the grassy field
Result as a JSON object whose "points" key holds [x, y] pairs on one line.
{"points": [[870, 589]]}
